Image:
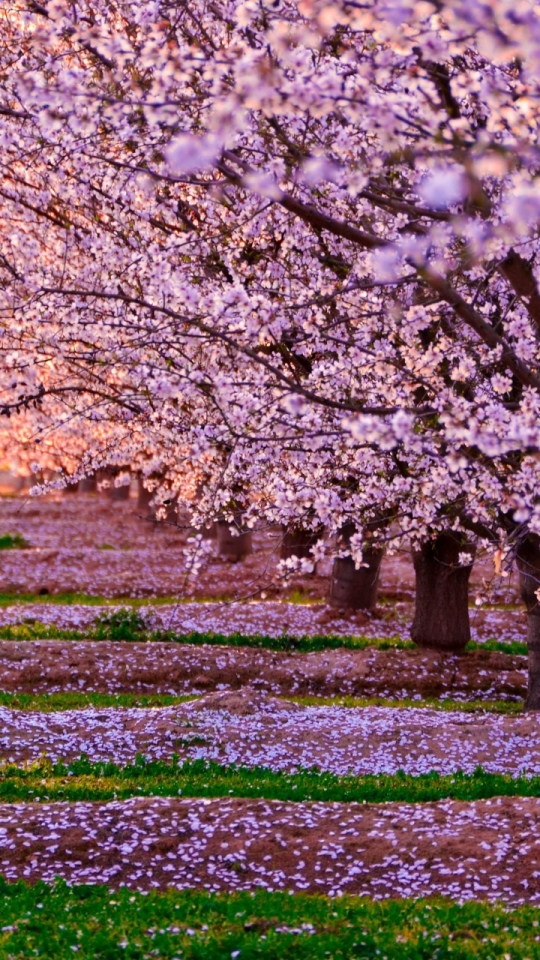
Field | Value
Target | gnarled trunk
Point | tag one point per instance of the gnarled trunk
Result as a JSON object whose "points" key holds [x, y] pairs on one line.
{"points": [[352, 588], [233, 547], [441, 616], [528, 564]]}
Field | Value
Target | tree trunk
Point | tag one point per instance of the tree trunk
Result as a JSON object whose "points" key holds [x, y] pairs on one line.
{"points": [[528, 564], [297, 542], [144, 497], [72, 487], [119, 493], [351, 588], [233, 548], [88, 484], [441, 616], [356, 589], [209, 532]]}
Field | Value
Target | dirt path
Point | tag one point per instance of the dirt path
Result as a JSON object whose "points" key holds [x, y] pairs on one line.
{"points": [[250, 729], [40, 666], [489, 849]]}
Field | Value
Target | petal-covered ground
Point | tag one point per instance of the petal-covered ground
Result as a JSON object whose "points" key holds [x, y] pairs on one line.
{"points": [[247, 729], [270, 617], [488, 849], [113, 667], [89, 544]]}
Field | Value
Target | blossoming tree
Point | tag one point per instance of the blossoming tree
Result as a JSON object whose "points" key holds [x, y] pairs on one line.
{"points": [[299, 242]]}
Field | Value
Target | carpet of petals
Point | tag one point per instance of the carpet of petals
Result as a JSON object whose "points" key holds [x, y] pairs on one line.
{"points": [[281, 735], [487, 849]]}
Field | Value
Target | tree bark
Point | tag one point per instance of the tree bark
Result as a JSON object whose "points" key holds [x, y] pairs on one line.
{"points": [[144, 498], [233, 548], [297, 542], [441, 617], [528, 564], [351, 588], [209, 532], [88, 484], [118, 493]]}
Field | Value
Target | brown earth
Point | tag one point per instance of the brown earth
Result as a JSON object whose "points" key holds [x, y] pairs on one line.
{"points": [[488, 849], [48, 666]]}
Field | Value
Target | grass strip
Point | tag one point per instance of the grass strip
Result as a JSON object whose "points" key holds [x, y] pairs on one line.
{"points": [[84, 780], [96, 923], [511, 707], [77, 700], [33, 629]]}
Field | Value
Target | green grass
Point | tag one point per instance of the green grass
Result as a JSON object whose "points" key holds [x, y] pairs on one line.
{"points": [[128, 624], [79, 700], [127, 630], [83, 780], [89, 600], [13, 542], [514, 647], [511, 707], [95, 923]]}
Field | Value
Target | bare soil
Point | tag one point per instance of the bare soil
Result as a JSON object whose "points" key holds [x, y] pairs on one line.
{"points": [[51, 666], [484, 850]]}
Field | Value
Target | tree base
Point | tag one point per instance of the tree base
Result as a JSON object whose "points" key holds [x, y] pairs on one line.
{"points": [[441, 618], [356, 589]]}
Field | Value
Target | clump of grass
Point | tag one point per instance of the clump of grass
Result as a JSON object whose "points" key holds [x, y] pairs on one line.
{"points": [[83, 780], [13, 541], [100, 924], [123, 624], [514, 647]]}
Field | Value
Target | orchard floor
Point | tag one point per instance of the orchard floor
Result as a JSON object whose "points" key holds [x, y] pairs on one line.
{"points": [[246, 728], [487, 850], [245, 713], [86, 544], [51, 666]]}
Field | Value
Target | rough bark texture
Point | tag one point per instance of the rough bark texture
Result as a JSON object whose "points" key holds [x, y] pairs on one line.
{"points": [[233, 547], [441, 618], [528, 563]]}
